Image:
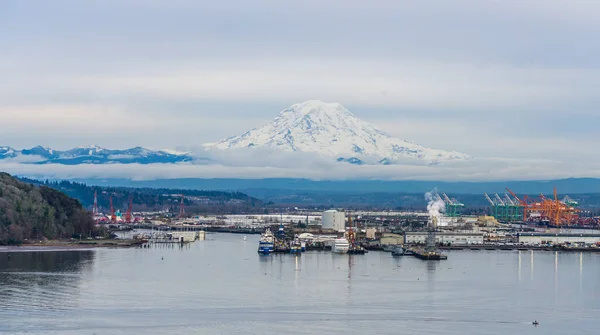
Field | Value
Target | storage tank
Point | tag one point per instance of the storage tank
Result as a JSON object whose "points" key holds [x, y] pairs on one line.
{"points": [[328, 218], [339, 222]]}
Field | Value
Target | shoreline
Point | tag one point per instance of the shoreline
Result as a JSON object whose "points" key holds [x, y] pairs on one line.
{"points": [[57, 245]]}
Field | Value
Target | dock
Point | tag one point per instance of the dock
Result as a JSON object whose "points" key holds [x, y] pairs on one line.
{"points": [[427, 255]]}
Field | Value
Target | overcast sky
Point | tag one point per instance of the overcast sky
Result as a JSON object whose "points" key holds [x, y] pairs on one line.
{"points": [[488, 78]]}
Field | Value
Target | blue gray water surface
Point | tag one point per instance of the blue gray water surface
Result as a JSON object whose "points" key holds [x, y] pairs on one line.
{"points": [[222, 286]]}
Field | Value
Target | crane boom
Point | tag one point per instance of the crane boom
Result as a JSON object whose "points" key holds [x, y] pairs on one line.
{"points": [[508, 199], [499, 200], [515, 196], [489, 199]]}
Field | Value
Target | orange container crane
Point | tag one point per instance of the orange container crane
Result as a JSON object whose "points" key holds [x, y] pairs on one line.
{"points": [[128, 214], [351, 233], [113, 216], [558, 213]]}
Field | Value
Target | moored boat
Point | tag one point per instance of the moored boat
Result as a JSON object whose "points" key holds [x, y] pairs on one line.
{"points": [[398, 251], [340, 246], [267, 242]]}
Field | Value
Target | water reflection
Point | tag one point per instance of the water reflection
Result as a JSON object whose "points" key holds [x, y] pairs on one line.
{"points": [[297, 270], [531, 263], [580, 270], [350, 262], [42, 280], [555, 274], [431, 267], [222, 288], [519, 266]]}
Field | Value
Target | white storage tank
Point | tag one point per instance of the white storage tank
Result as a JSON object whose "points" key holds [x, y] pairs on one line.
{"points": [[327, 219], [333, 219], [339, 222]]}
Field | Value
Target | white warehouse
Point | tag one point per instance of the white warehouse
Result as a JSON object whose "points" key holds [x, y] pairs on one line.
{"points": [[444, 238], [334, 220], [541, 238]]}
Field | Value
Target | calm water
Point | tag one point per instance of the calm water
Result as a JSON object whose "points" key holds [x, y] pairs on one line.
{"points": [[221, 286]]}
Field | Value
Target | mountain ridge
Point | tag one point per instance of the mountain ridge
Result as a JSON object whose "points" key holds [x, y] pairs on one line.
{"points": [[93, 154], [563, 186], [331, 130]]}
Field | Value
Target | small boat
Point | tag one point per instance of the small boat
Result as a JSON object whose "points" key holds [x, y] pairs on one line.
{"points": [[245, 238], [295, 249], [398, 251], [535, 323], [296, 246], [388, 248]]}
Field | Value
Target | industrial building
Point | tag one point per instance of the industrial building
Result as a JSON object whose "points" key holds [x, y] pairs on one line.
{"points": [[391, 239], [333, 220], [444, 238], [545, 238], [188, 236], [371, 233]]}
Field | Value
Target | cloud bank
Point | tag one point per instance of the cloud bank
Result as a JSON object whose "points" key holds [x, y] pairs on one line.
{"points": [[264, 163]]}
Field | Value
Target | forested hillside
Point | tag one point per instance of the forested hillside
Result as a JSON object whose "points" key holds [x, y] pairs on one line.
{"points": [[147, 199], [29, 212]]}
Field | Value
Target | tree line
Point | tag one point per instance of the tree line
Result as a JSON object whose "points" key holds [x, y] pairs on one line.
{"points": [[35, 212], [148, 199]]}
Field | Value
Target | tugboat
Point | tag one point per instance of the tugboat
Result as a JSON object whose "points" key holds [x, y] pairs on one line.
{"points": [[296, 246], [354, 248], [267, 242]]}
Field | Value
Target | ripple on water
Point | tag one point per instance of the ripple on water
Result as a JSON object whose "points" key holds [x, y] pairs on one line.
{"points": [[223, 286]]}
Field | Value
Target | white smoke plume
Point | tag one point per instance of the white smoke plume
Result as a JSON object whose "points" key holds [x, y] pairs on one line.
{"points": [[435, 204]]}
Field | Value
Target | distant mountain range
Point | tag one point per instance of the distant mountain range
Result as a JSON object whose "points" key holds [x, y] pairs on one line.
{"points": [[93, 155], [325, 129], [330, 130]]}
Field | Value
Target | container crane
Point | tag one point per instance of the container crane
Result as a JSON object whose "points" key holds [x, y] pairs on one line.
{"points": [[557, 212], [569, 201], [499, 200], [504, 208], [453, 206], [182, 208], [128, 214], [113, 216], [489, 199]]}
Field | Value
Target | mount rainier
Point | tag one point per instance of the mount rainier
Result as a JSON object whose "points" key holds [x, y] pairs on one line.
{"points": [[330, 130]]}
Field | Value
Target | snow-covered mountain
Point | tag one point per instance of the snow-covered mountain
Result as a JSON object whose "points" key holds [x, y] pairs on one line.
{"points": [[329, 129], [7, 152], [94, 155]]}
